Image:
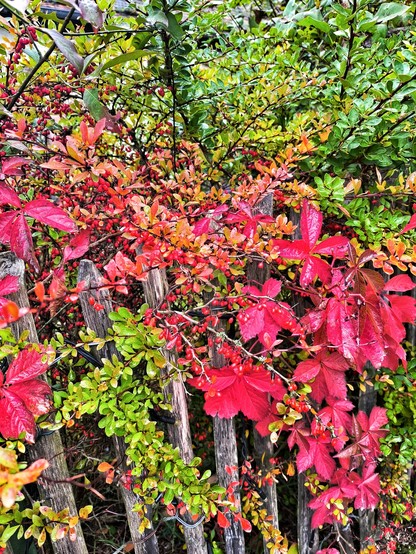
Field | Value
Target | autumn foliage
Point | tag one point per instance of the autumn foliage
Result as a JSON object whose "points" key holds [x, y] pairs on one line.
{"points": [[264, 268]]}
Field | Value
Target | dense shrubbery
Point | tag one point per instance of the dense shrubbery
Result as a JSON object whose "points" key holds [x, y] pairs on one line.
{"points": [[261, 162]]}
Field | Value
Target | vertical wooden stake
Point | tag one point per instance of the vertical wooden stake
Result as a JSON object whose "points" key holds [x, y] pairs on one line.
{"points": [[54, 488], [99, 322], [155, 289], [226, 457], [263, 447]]}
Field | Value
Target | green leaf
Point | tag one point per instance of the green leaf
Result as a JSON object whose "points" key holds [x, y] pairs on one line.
{"points": [[99, 111], [391, 10], [173, 26], [67, 48], [310, 21], [123, 58]]}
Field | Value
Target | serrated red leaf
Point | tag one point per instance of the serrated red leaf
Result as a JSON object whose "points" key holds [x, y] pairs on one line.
{"points": [[400, 283], [23, 396], [9, 284], [228, 392], [12, 166], [21, 241], [328, 372], [6, 226], [369, 488], [321, 458], [306, 248], [403, 307], [8, 196], [342, 327], [27, 365], [46, 212], [34, 394], [77, 246], [16, 418]]}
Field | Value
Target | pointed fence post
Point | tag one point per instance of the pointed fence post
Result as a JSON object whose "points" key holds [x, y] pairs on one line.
{"points": [[155, 289], [54, 488], [263, 446], [99, 322]]}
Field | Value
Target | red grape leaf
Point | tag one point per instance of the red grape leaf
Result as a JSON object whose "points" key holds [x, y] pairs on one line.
{"points": [[9, 284], [6, 226], [368, 489], [16, 418], [306, 248], [228, 392], [46, 212], [77, 246], [21, 241], [328, 370], [400, 283], [8, 196], [27, 365]]}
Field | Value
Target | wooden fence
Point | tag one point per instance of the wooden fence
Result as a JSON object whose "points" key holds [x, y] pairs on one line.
{"points": [[55, 487]]}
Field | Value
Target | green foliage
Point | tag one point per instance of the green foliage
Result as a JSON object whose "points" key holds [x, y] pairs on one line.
{"points": [[122, 399]]}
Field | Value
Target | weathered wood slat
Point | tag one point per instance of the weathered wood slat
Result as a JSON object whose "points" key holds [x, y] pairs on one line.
{"points": [[155, 289], [53, 485], [257, 275], [226, 456], [307, 537], [99, 322]]}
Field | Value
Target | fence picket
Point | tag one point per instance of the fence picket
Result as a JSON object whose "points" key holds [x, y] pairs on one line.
{"points": [[54, 488], [155, 289], [99, 322]]}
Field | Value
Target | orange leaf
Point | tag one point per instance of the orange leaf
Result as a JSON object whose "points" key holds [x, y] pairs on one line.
{"points": [[246, 525], [104, 466], [222, 520], [10, 312], [40, 291]]}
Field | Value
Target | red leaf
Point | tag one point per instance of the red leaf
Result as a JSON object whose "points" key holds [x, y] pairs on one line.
{"points": [[222, 520], [400, 283], [246, 525], [16, 418], [12, 166], [310, 224], [202, 226], [77, 246], [34, 394], [321, 458], [304, 249], [337, 413], [23, 396], [21, 241], [27, 365], [229, 391], [403, 307], [342, 327], [328, 370], [46, 212], [368, 489], [6, 226], [9, 284], [8, 196], [410, 225]]}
